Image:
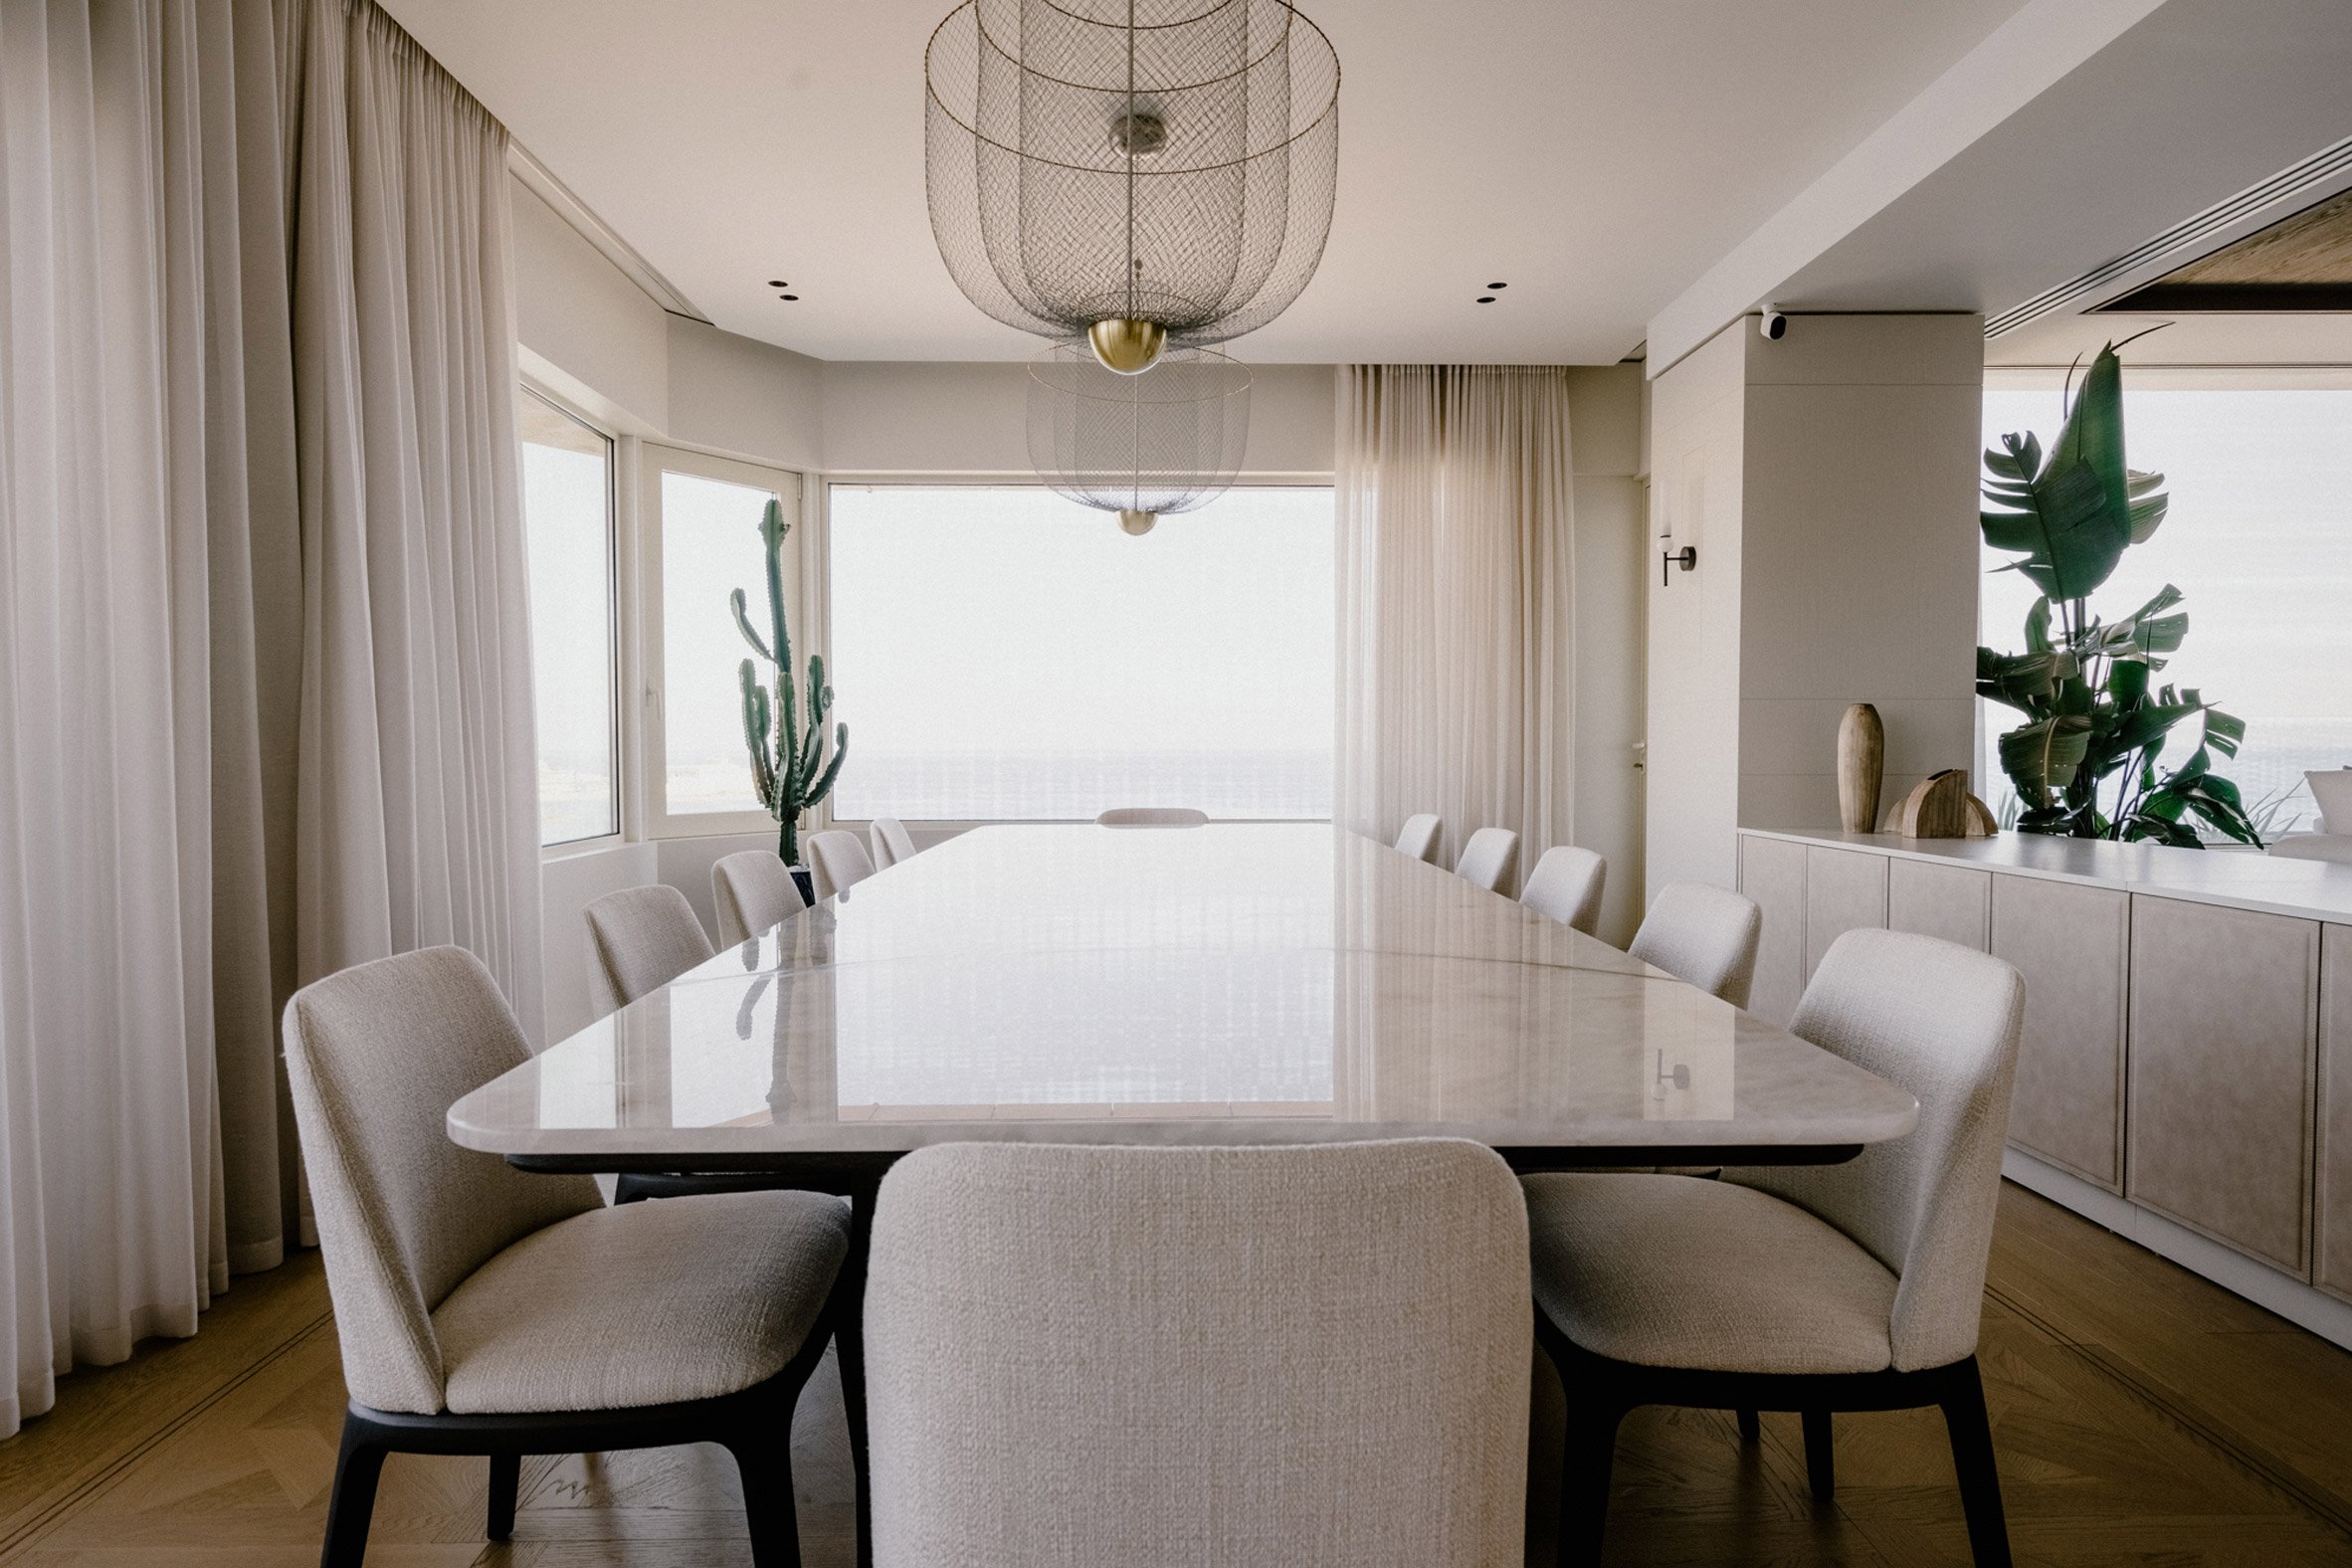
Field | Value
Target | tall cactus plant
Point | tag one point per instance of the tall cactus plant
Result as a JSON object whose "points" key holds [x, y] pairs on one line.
{"points": [[789, 771]]}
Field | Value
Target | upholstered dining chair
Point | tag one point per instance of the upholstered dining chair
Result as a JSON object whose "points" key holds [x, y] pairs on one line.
{"points": [[1487, 859], [1167, 1356], [1566, 887], [644, 937], [754, 892], [1419, 836], [484, 1311], [840, 860], [1152, 817], [1825, 1288], [1703, 935], [890, 841]]}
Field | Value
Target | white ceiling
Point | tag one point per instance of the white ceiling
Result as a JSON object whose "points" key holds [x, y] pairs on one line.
{"points": [[1598, 155]]}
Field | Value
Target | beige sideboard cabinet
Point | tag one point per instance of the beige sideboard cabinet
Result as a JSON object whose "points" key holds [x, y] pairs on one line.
{"points": [[2186, 1073]]}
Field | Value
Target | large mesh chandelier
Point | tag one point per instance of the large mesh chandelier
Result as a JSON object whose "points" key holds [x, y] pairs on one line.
{"points": [[1139, 446], [1132, 172]]}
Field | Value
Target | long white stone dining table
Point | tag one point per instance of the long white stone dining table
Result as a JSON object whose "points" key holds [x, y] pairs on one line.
{"points": [[1236, 983]]}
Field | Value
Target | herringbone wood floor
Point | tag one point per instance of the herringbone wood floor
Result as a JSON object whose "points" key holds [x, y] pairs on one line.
{"points": [[2142, 1417]]}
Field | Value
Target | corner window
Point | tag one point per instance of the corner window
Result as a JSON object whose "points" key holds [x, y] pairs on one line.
{"points": [[567, 510]]}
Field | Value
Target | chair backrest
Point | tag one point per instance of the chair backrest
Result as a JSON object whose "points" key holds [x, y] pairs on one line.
{"points": [[1706, 935], [1566, 886], [754, 892], [374, 1058], [890, 841], [644, 937], [1419, 836], [1304, 1356], [1489, 857], [839, 861], [1940, 1020], [1152, 817]]}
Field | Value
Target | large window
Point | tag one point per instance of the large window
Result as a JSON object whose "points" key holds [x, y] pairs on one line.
{"points": [[707, 513], [2259, 540], [999, 653], [567, 508]]}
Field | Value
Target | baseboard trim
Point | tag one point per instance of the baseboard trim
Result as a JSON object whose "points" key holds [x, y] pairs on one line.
{"points": [[2232, 1270]]}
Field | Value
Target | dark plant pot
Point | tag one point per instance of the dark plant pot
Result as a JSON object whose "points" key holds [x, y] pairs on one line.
{"points": [[806, 882]]}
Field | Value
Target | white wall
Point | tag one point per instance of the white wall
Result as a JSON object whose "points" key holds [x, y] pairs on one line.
{"points": [[1604, 426], [1829, 482], [568, 883], [585, 327]]}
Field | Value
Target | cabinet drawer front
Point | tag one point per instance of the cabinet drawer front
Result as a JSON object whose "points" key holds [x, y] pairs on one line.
{"points": [[1772, 872], [1845, 890], [2071, 944], [2332, 1186], [2224, 1026]]}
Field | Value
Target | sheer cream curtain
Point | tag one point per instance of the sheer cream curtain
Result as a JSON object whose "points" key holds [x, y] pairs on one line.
{"points": [[181, 558], [1457, 601]]}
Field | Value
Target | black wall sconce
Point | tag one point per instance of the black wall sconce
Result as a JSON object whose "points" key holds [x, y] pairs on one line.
{"points": [[1687, 557]]}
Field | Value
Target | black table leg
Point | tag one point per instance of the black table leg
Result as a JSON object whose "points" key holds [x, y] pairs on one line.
{"points": [[849, 1339]]}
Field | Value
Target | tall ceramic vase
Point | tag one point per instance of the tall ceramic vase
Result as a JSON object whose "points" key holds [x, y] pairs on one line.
{"points": [[1862, 767]]}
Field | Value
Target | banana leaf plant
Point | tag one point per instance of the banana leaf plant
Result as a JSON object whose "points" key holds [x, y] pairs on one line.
{"points": [[2086, 760]]}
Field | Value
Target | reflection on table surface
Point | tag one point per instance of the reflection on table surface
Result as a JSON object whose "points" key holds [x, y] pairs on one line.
{"points": [[1225, 984]]}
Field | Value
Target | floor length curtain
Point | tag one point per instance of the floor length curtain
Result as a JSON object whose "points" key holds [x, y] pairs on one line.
{"points": [[175, 576], [1457, 601]]}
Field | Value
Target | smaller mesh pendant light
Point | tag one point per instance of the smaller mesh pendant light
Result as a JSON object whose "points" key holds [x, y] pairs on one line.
{"points": [[1139, 446]]}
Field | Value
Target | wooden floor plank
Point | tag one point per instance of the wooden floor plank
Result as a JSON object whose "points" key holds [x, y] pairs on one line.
{"points": [[2141, 1416]]}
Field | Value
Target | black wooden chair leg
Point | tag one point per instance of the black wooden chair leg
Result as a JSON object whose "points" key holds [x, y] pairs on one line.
{"points": [[1750, 1428], [505, 1481], [1820, 1456], [1972, 1457], [764, 1465], [358, 1465], [1589, 1456]]}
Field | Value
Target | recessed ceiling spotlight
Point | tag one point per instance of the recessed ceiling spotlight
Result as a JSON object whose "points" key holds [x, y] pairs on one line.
{"points": [[778, 282], [788, 297], [1486, 299], [1498, 286]]}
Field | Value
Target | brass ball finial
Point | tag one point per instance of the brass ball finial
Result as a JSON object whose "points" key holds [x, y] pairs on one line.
{"points": [[1128, 347], [1137, 523]]}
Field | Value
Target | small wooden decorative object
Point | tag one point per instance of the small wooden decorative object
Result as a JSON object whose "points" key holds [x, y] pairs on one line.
{"points": [[1862, 767], [1940, 807]]}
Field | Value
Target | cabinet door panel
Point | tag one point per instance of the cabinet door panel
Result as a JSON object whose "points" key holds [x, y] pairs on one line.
{"points": [[2071, 944], [2223, 1024], [1952, 903], [1772, 872], [1845, 890], [2333, 1183]]}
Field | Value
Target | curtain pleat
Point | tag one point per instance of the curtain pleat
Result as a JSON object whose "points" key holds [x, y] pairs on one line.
{"points": [[1457, 594], [263, 686]]}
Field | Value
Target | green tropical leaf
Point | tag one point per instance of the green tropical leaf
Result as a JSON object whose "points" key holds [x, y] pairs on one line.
{"points": [[2042, 756], [2073, 519]]}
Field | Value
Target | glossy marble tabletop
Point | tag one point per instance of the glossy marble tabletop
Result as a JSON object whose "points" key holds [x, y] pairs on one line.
{"points": [[1238, 983]]}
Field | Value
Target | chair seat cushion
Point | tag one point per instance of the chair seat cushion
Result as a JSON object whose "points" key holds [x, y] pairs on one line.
{"points": [[1672, 1272], [646, 1303]]}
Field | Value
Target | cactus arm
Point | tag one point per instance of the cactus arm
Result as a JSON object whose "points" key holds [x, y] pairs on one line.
{"points": [[773, 532], [755, 735], [840, 750], [743, 625]]}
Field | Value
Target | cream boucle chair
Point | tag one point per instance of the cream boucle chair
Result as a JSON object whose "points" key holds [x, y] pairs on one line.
{"points": [[891, 842], [644, 938], [754, 893], [1489, 857], [486, 1312], [839, 861], [1152, 817], [1419, 836], [1158, 1357], [1703, 935], [1854, 1287], [1566, 887]]}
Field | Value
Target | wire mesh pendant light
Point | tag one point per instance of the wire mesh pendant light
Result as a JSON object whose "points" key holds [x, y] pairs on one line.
{"points": [[1139, 446], [1132, 172]]}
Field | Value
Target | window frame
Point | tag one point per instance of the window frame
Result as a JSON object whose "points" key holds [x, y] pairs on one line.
{"points": [[818, 563], [792, 488], [617, 740]]}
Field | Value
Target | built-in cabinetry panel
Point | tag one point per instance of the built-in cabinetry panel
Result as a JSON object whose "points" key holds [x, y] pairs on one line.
{"points": [[2333, 1253], [1772, 873], [1845, 890], [1949, 903], [2071, 942], [2223, 1027]]}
